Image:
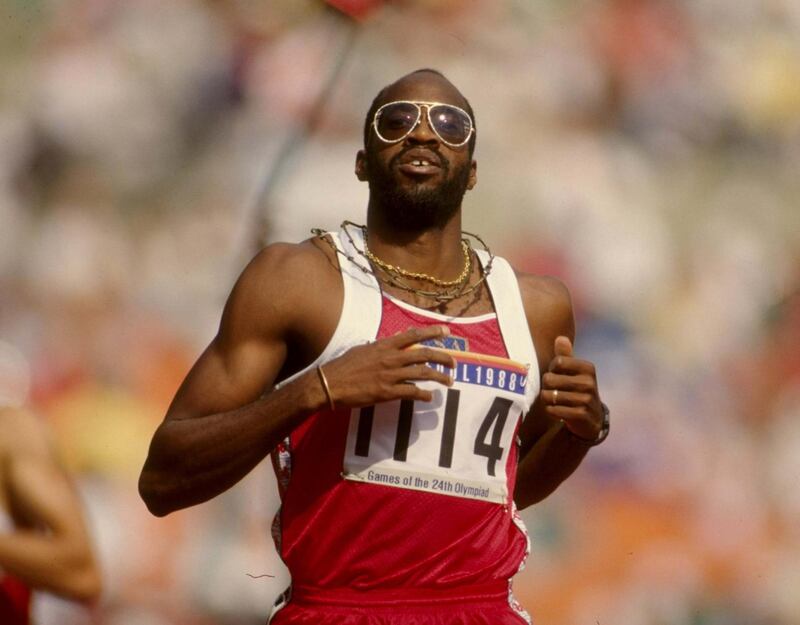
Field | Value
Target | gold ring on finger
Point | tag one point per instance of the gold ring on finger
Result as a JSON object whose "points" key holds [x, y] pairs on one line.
{"points": [[555, 397]]}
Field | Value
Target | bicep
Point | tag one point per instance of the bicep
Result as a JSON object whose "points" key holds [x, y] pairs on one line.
{"points": [[262, 312], [41, 495], [250, 347], [231, 372], [37, 490]]}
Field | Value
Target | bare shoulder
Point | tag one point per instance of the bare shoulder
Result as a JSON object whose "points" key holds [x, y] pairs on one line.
{"points": [[544, 296], [281, 265], [281, 286], [548, 308], [22, 432]]}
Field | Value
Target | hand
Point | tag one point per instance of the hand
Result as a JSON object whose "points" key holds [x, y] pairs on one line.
{"points": [[384, 370], [569, 392]]}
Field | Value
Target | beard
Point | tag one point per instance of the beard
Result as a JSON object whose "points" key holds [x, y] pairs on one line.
{"points": [[417, 206]]}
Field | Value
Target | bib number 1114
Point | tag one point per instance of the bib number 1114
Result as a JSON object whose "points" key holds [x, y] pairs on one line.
{"points": [[487, 439]]}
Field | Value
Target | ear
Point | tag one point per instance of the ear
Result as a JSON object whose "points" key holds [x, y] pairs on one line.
{"points": [[473, 175], [361, 165]]}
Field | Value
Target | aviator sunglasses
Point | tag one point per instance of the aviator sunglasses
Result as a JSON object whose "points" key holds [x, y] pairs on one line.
{"points": [[394, 121]]}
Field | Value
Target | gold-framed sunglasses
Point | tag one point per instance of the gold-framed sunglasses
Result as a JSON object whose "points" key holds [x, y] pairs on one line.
{"points": [[394, 121]]}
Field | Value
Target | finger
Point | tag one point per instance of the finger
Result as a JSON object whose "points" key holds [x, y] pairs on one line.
{"points": [[417, 335], [427, 354], [571, 366], [565, 413], [568, 413], [561, 397], [562, 350], [423, 372], [582, 382], [412, 392], [563, 346]]}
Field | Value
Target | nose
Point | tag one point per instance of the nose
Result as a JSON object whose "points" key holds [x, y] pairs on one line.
{"points": [[422, 133]]}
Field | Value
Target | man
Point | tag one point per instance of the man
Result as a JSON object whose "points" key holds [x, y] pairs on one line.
{"points": [[404, 361], [45, 545]]}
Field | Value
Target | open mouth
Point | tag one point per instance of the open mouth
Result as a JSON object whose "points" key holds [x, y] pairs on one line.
{"points": [[414, 165]]}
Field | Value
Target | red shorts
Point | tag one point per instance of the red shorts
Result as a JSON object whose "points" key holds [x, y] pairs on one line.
{"points": [[486, 604]]}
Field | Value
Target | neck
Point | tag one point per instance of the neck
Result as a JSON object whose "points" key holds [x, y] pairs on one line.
{"points": [[435, 250]]}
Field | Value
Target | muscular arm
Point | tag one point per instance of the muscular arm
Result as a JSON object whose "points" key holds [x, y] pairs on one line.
{"points": [[49, 548], [549, 452], [221, 424]]}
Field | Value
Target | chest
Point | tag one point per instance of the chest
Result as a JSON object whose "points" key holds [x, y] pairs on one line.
{"points": [[316, 322]]}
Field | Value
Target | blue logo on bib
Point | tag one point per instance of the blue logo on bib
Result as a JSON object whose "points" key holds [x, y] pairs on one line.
{"points": [[456, 343]]}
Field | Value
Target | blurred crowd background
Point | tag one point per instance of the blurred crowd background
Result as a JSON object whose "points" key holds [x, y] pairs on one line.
{"points": [[644, 151]]}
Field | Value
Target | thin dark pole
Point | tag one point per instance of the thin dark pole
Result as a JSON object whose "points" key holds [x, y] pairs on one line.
{"points": [[258, 214]]}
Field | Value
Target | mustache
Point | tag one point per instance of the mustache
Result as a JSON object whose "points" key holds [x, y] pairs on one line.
{"points": [[443, 162]]}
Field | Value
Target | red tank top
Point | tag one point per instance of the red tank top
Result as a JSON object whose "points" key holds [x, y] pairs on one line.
{"points": [[14, 601], [410, 495]]}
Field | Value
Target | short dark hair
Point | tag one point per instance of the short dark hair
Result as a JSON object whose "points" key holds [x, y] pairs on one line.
{"points": [[375, 104]]}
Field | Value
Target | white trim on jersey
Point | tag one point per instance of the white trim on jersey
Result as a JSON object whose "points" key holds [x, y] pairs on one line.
{"points": [[511, 318], [360, 317], [438, 316]]}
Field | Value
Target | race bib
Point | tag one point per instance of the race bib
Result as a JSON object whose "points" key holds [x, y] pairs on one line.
{"points": [[457, 444]]}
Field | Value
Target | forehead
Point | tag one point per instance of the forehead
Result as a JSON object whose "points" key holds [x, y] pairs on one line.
{"points": [[424, 87]]}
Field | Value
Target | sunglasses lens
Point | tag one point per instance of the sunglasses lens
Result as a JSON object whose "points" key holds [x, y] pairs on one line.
{"points": [[396, 120], [452, 124]]}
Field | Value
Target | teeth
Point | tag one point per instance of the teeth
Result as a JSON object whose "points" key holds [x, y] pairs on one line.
{"points": [[420, 163]]}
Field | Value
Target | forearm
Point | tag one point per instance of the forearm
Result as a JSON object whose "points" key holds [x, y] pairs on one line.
{"points": [[553, 458], [193, 459], [50, 562]]}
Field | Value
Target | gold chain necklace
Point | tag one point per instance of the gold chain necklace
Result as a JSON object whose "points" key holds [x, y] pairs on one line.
{"points": [[444, 296], [393, 270]]}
